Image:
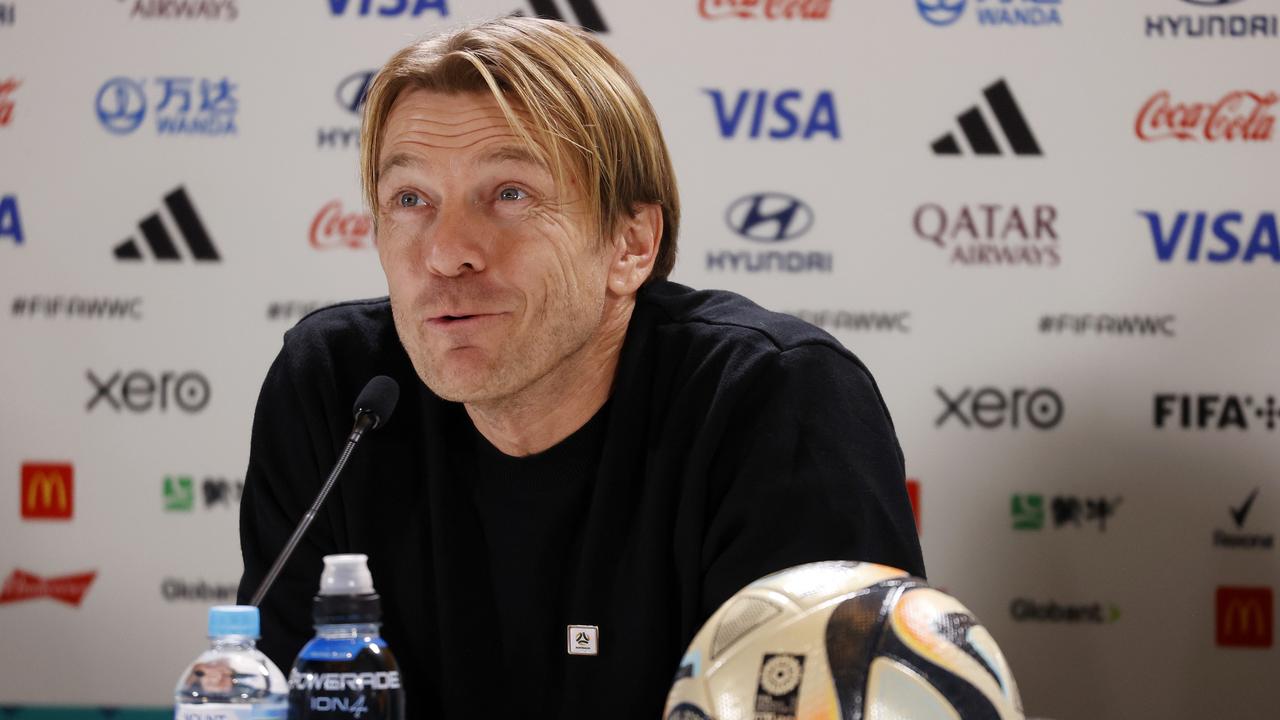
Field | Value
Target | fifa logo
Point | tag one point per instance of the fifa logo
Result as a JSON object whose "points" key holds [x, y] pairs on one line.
{"points": [[47, 491]]}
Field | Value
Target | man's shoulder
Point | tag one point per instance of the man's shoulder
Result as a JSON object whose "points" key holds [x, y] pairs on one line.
{"points": [[350, 322], [357, 336], [724, 318]]}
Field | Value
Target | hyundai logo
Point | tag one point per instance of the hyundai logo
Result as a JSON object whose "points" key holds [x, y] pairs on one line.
{"points": [[352, 91], [769, 217]]}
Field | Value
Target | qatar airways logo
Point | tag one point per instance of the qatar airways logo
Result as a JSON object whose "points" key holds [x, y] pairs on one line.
{"points": [[1239, 115], [335, 228], [764, 9]]}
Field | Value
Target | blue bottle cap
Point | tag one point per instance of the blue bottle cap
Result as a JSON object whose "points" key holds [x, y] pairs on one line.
{"points": [[233, 620]]}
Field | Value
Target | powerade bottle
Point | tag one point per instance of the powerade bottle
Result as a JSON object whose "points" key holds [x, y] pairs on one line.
{"points": [[232, 680], [346, 672]]}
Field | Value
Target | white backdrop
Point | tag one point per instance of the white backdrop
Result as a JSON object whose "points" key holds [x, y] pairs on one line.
{"points": [[1086, 546]]}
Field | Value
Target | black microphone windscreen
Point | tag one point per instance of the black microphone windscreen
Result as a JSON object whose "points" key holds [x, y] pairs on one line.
{"points": [[378, 398]]}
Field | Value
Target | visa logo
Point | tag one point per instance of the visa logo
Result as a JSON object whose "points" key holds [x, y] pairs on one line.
{"points": [[1220, 237], [387, 8], [10, 221], [781, 115]]}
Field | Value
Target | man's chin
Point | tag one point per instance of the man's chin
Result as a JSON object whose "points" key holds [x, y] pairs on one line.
{"points": [[459, 384]]}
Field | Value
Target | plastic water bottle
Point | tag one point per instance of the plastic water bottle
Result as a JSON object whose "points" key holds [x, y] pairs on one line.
{"points": [[232, 680], [346, 671]]}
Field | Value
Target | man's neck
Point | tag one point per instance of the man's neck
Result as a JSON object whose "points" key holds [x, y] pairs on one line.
{"points": [[562, 401]]}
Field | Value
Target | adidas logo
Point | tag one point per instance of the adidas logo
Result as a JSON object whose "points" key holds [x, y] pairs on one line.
{"points": [[589, 18], [982, 141], [199, 244]]}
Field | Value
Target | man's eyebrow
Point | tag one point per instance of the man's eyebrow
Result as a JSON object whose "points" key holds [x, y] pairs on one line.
{"points": [[397, 160], [512, 153]]}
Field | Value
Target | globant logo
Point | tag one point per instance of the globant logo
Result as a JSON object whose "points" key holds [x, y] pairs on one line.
{"points": [[1028, 610], [140, 391], [387, 8], [1222, 237], [991, 234], [764, 9], [185, 10], [1034, 13], [775, 115], [183, 105], [334, 228], [769, 217], [175, 590], [991, 408], [7, 87], [10, 220], [68, 589], [856, 320], [1215, 25], [1213, 411], [1239, 115]]}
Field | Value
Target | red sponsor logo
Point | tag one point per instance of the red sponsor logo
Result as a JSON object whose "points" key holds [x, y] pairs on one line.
{"points": [[22, 585], [764, 9], [913, 494], [1245, 617], [48, 491], [6, 104], [334, 228], [1239, 115]]}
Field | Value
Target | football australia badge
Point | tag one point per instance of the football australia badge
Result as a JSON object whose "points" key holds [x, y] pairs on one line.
{"points": [[584, 640]]}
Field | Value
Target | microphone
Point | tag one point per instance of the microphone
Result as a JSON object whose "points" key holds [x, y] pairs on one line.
{"points": [[372, 410]]}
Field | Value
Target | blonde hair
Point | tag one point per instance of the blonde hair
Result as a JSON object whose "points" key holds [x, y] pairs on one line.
{"points": [[582, 113]]}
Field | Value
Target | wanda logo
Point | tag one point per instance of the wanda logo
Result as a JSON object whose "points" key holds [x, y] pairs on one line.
{"points": [[764, 9], [1239, 115], [333, 228]]}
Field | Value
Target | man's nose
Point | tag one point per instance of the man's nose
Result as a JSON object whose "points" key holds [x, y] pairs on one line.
{"points": [[455, 247]]}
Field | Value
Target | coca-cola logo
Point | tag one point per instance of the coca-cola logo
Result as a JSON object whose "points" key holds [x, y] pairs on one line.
{"points": [[764, 9], [23, 585], [1240, 115], [334, 228]]}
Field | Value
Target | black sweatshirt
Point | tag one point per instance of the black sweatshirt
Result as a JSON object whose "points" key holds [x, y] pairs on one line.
{"points": [[736, 442]]}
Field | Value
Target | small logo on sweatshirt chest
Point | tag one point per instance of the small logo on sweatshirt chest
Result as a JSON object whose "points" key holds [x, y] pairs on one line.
{"points": [[584, 640]]}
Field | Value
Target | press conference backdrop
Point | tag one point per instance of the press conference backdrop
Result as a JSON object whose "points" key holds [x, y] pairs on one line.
{"points": [[1047, 226]]}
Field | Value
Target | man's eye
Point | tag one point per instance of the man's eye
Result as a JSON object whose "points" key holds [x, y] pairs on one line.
{"points": [[512, 193], [409, 199]]}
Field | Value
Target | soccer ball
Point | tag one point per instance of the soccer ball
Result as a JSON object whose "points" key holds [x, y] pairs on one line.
{"points": [[842, 641]]}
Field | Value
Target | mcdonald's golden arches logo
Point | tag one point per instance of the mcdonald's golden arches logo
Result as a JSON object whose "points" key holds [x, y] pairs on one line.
{"points": [[1245, 616], [48, 491]]}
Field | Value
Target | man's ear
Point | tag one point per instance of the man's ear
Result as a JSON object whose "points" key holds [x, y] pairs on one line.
{"points": [[635, 248]]}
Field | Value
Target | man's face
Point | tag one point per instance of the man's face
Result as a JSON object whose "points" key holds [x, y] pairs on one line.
{"points": [[496, 275]]}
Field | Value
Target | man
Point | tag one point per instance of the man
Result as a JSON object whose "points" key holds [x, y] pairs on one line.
{"points": [[579, 442]]}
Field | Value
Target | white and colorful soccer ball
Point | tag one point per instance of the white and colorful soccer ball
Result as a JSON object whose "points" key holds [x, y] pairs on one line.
{"points": [[843, 641]]}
